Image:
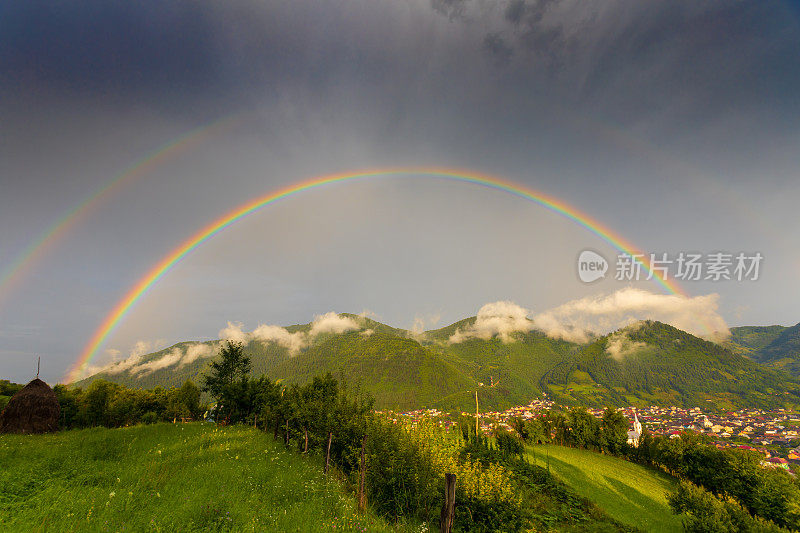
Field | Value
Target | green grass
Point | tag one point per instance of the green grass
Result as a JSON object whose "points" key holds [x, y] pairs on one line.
{"points": [[628, 492], [165, 477]]}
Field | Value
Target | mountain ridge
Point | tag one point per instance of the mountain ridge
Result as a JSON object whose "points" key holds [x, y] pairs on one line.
{"points": [[641, 364]]}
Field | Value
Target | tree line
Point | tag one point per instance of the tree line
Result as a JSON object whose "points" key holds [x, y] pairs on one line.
{"points": [[110, 405]]}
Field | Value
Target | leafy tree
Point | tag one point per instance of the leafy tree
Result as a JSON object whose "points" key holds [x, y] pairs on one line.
{"points": [[615, 431], [94, 409], [508, 444], [227, 380]]}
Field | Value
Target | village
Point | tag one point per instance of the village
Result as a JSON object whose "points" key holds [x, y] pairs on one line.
{"points": [[773, 434]]}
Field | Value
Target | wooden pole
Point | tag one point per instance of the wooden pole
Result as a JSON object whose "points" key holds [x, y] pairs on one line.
{"points": [[328, 454], [287, 432], [305, 448], [38, 364], [449, 508], [362, 497]]}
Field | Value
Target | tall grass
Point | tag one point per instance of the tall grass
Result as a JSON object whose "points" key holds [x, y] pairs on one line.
{"points": [[165, 477]]}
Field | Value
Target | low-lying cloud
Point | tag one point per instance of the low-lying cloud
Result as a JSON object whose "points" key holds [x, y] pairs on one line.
{"points": [[579, 320], [294, 342], [171, 358], [583, 319], [619, 344], [139, 350], [331, 322], [179, 355], [501, 319]]}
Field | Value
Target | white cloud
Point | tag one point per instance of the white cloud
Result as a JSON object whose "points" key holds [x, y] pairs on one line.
{"points": [[140, 349], [501, 319], [294, 342], [579, 320], [332, 323], [167, 360], [233, 332], [197, 351], [619, 345]]}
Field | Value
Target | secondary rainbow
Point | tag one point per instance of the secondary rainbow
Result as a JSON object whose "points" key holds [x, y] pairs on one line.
{"points": [[36, 249], [141, 287]]}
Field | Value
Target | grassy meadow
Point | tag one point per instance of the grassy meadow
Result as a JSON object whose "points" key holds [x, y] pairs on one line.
{"points": [[169, 477], [628, 492]]}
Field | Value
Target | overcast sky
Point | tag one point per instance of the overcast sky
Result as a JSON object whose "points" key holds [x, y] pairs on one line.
{"points": [[674, 123]]}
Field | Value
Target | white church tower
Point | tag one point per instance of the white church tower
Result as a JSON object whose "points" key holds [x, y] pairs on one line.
{"points": [[636, 432]]}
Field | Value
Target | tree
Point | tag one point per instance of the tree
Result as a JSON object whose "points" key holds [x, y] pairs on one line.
{"points": [[615, 431], [227, 379]]}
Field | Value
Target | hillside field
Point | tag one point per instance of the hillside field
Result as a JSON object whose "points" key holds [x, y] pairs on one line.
{"points": [[169, 477], [628, 492]]}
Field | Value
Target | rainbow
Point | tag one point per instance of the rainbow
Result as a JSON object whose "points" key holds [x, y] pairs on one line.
{"points": [[38, 247], [159, 270]]}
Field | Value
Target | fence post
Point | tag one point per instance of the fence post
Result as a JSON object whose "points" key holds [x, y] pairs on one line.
{"points": [[328, 454], [287, 432], [448, 510], [305, 448], [362, 497]]}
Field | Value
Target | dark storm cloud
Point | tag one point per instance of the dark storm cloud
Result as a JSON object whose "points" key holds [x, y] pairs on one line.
{"points": [[107, 46], [171, 52], [668, 62], [624, 57]]}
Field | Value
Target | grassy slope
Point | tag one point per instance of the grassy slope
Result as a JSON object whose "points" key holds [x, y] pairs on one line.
{"points": [[185, 477], [628, 492]]}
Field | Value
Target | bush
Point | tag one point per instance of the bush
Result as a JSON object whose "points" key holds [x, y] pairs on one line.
{"points": [[709, 514], [149, 418]]}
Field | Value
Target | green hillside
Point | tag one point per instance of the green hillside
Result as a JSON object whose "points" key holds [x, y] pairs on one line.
{"points": [[402, 371], [774, 346], [511, 373], [397, 371], [783, 351], [748, 339], [165, 477], [666, 366], [631, 493]]}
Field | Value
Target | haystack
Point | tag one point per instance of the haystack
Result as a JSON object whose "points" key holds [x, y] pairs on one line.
{"points": [[34, 409]]}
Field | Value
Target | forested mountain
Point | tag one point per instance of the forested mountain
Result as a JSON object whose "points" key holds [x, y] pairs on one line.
{"points": [[647, 363], [750, 339], [655, 363], [774, 346]]}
